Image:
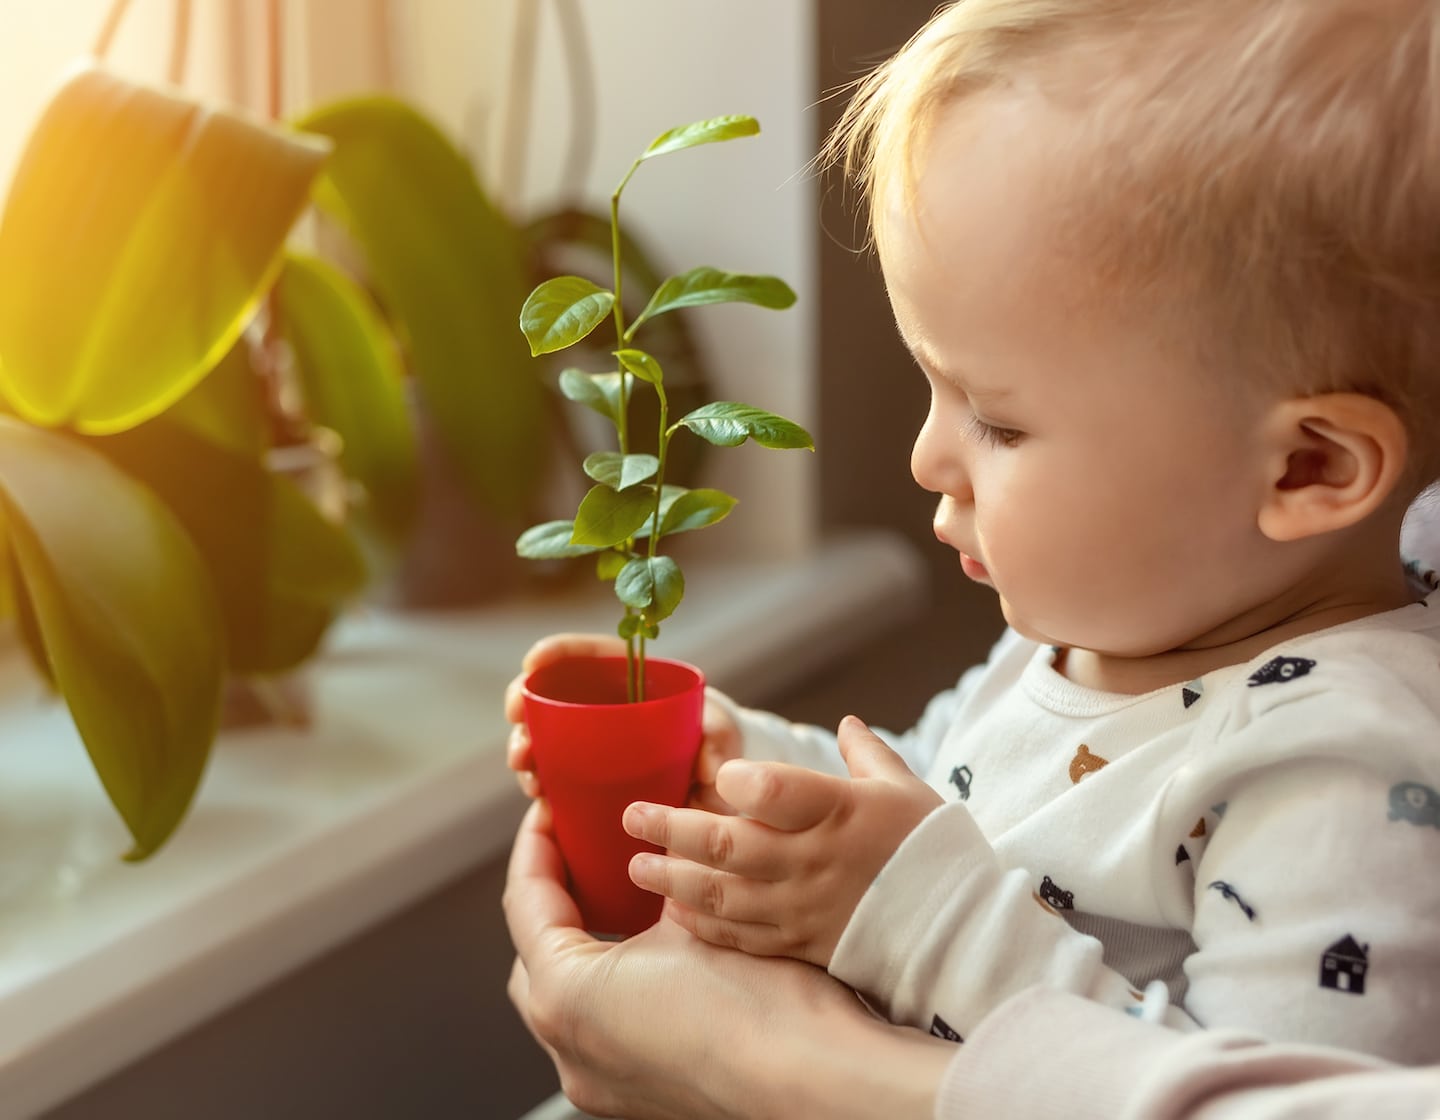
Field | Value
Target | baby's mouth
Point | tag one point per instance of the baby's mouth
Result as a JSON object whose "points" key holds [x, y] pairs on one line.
{"points": [[973, 568]]}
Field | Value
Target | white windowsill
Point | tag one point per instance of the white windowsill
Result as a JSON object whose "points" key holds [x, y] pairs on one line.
{"points": [[299, 840]]}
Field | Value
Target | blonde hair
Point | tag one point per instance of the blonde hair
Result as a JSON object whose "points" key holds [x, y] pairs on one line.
{"points": [[1271, 166]]}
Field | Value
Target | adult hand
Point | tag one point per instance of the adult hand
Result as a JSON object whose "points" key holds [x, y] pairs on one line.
{"points": [[664, 1026], [720, 738], [784, 878]]}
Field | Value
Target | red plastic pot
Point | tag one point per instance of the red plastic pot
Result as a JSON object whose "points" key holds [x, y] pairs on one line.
{"points": [[594, 754]]}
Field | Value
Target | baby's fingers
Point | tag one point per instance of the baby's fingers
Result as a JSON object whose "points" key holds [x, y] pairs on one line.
{"points": [[788, 798], [729, 844], [726, 899]]}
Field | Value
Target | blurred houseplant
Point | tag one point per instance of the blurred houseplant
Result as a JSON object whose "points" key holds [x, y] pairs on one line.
{"points": [[138, 237], [165, 364]]}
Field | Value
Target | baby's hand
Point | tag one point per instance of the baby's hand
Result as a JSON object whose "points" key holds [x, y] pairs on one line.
{"points": [[784, 879], [720, 736]]}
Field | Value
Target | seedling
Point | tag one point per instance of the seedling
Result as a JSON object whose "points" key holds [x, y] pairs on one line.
{"points": [[630, 508]]}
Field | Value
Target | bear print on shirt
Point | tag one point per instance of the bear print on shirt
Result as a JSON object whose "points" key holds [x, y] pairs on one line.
{"points": [[1052, 897], [1085, 763]]}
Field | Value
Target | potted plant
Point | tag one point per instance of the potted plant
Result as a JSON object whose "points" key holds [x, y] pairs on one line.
{"points": [[609, 731]]}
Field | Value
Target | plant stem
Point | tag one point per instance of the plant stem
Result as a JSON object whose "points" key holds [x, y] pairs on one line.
{"points": [[622, 419], [634, 652], [662, 447]]}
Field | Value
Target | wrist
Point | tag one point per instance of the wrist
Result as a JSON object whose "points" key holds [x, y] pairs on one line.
{"points": [[859, 1068]]}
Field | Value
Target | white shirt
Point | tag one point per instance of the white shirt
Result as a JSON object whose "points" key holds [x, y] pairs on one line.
{"points": [[1260, 847]]}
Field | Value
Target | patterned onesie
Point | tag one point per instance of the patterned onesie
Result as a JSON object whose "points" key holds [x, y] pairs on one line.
{"points": [[1258, 848]]}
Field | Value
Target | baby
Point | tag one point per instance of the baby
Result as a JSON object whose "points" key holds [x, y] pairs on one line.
{"points": [[1171, 269]]}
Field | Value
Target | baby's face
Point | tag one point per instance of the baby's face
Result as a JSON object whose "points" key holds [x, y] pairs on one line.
{"points": [[1087, 468]]}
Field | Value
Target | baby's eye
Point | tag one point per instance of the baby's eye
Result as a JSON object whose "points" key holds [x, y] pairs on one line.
{"points": [[979, 430]]}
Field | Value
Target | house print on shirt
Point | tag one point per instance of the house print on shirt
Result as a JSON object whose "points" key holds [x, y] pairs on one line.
{"points": [[1343, 966]]}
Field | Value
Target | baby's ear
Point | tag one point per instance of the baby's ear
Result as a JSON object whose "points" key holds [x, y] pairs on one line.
{"points": [[1334, 460]]}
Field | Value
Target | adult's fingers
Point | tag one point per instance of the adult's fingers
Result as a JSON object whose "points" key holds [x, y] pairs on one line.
{"points": [[790, 798], [540, 913], [553, 648], [517, 749], [514, 701], [556, 646]]}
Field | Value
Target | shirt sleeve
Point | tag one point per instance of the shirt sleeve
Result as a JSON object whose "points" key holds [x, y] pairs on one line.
{"points": [[1117, 1068], [768, 737], [945, 934], [1317, 899]]}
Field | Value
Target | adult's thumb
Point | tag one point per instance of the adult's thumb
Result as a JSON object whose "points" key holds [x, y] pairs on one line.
{"points": [[867, 755]]}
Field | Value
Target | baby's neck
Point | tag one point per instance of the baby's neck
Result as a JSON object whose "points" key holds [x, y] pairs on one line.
{"points": [[1237, 642]]}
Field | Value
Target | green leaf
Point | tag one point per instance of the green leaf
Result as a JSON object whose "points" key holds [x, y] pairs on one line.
{"points": [[609, 563], [607, 517], [453, 270], [551, 541], [705, 285], [695, 509], [629, 626], [353, 383], [128, 618], [653, 584], [669, 495], [226, 407], [562, 311], [702, 132], [27, 626], [642, 365], [620, 472], [140, 233], [597, 391], [729, 423], [282, 571]]}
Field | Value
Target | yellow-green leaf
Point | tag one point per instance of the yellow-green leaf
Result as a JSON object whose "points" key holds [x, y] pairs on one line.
{"points": [[128, 618], [620, 472], [550, 541], [140, 232], [353, 383], [641, 364], [606, 517], [706, 285], [561, 311], [653, 585], [730, 423], [702, 132], [226, 407], [696, 509], [452, 269]]}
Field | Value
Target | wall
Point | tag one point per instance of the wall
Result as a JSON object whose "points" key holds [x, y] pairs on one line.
{"points": [[745, 206]]}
